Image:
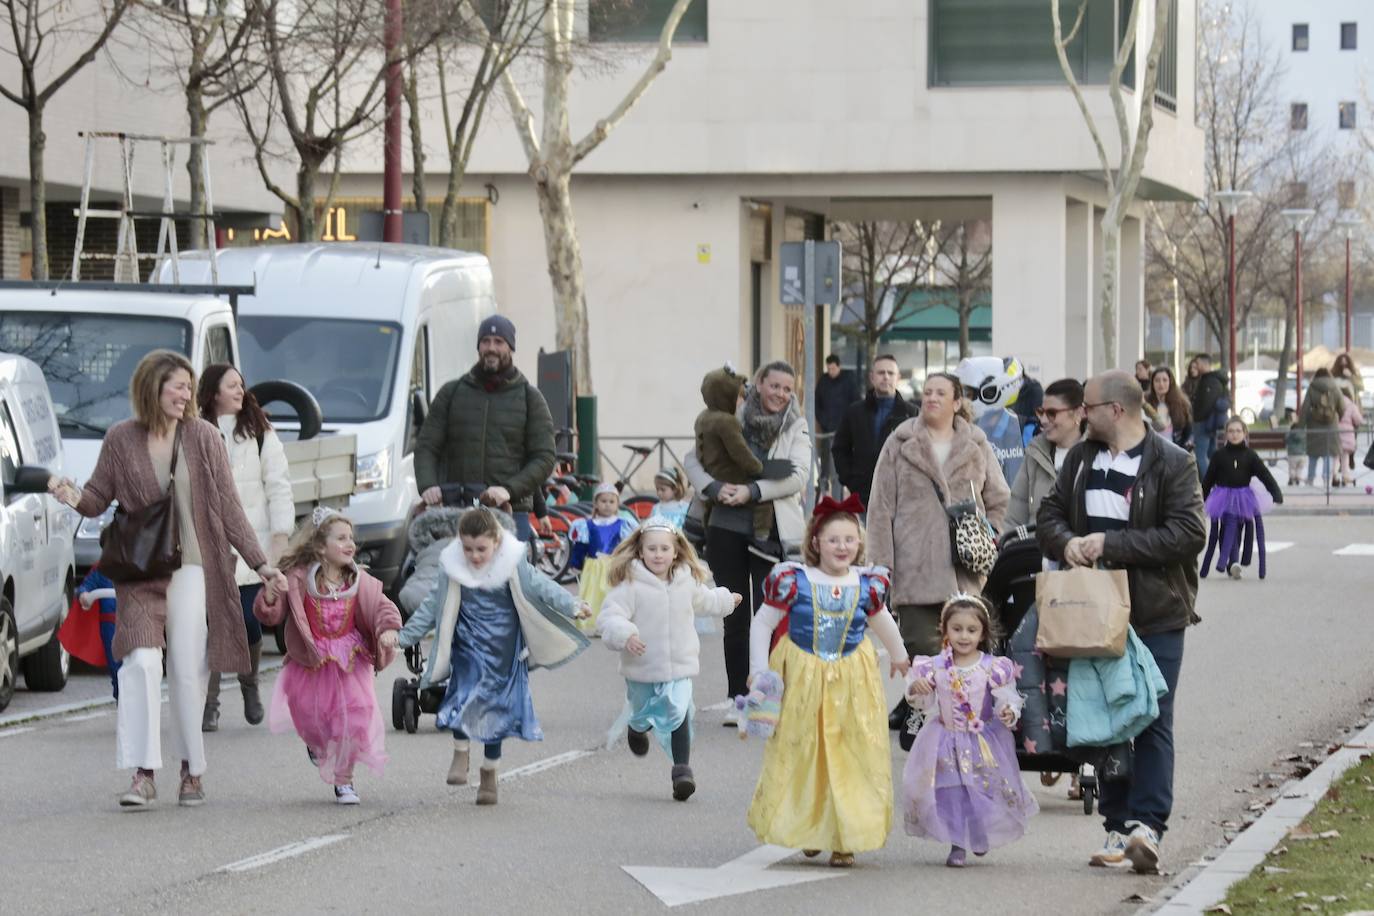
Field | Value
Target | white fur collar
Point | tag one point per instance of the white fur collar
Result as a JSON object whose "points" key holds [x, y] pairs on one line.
{"points": [[641, 573], [496, 573], [313, 589]]}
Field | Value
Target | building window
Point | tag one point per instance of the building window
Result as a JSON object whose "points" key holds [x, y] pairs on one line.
{"points": [[1348, 36], [1299, 36], [1346, 196], [1347, 115], [1006, 42], [1297, 117], [643, 20], [1166, 88]]}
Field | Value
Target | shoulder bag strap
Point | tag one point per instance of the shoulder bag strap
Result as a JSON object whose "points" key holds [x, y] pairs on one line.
{"points": [[176, 450]]}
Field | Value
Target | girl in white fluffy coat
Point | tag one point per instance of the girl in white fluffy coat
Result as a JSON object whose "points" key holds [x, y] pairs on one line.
{"points": [[658, 587]]}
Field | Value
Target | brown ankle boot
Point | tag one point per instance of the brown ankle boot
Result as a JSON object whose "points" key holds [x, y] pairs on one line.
{"points": [[486, 791], [458, 769], [248, 683]]}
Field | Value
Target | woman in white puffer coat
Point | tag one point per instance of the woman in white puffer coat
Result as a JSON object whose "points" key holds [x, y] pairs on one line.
{"points": [[263, 481], [659, 588]]}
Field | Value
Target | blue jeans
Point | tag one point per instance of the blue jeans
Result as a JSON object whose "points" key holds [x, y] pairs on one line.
{"points": [[1204, 446], [1148, 796], [522, 526], [1312, 468]]}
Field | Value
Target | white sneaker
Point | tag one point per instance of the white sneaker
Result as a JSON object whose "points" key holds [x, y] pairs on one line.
{"points": [[345, 795], [1112, 854], [1234, 571], [1142, 848], [731, 718]]}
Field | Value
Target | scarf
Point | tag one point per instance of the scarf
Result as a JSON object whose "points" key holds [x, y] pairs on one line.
{"points": [[762, 428]]}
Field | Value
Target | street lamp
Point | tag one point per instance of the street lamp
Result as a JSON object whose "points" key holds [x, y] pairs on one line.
{"points": [[1349, 224], [1297, 219], [1230, 201]]}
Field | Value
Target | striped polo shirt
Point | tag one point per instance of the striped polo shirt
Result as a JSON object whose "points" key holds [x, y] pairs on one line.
{"points": [[1107, 496]]}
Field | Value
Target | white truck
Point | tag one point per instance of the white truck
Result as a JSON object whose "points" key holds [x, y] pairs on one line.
{"points": [[86, 338], [373, 331]]}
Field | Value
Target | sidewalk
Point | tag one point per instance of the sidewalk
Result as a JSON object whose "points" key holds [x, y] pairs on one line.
{"points": [[1322, 499]]}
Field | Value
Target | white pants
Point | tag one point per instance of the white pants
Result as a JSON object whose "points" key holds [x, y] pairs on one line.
{"points": [[138, 732]]}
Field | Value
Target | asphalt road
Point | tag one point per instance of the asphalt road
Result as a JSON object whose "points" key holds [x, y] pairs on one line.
{"points": [[1273, 665]]}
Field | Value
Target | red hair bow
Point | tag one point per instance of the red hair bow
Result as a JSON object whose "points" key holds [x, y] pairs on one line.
{"points": [[828, 505]]}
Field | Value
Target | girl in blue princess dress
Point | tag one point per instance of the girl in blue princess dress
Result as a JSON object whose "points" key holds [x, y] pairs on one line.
{"points": [[495, 618]]}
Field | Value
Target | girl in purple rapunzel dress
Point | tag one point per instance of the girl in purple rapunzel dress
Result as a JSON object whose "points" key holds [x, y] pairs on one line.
{"points": [[961, 784], [1239, 489]]}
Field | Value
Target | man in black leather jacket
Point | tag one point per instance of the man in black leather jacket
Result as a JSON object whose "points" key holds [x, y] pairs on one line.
{"points": [[1130, 499]]}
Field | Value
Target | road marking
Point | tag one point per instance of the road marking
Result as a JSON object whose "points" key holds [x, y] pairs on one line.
{"points": [[1276, 546], [1356, 550], [748, 873], [9, 733], [539, 766], [289, 851]]}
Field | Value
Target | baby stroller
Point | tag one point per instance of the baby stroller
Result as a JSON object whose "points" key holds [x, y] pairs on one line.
{"points": [[430, 529], [1041, 740]]}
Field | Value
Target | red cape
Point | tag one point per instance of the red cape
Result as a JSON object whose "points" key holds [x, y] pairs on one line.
{"points": [[80, 634]]}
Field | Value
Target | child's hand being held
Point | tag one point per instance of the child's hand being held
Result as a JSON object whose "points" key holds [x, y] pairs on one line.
{"points": [[389, 639], [900, 666], [921, 687], [584, 611], [736, 597], [1007, 715], [635, 646]]}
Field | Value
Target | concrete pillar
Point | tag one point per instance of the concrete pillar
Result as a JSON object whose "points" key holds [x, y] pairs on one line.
{"points": [[9, 234], [1131, 301], [1028, 309], [1078, 289]]}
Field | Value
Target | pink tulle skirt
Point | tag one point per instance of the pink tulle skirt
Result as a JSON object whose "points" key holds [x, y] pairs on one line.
{"points": [[335, 712]]}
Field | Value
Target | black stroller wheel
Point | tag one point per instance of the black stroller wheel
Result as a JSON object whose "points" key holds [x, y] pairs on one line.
{"points": [[1088, 785], [411, 713], [398, 703]]}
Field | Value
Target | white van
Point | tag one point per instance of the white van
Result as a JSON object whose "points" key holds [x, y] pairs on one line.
{"points": [[37, 567], [87, 341], [373, 331]]}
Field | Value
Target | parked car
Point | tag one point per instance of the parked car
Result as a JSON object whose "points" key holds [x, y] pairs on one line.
{"points": [[37, 564]]}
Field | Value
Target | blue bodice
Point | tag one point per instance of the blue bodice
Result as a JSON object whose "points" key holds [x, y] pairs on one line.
{"points": [[826, 617]]}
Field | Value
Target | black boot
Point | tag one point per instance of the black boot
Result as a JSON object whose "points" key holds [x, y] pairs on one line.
{"points": [[896, 720], [209, 721], [248, 683]]}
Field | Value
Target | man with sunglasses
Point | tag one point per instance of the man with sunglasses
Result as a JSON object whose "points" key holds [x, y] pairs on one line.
{"points": [[1131, 500]]}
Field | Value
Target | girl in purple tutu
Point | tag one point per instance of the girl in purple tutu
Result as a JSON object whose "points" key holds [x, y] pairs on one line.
{"points": [[1235, 504], [961, 784], [339, 629]]}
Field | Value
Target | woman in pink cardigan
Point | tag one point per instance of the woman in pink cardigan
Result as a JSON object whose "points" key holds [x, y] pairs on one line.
{"points": [[197, 607]]}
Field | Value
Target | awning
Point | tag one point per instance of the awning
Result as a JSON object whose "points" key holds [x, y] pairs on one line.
{"points": [[938, 321]]}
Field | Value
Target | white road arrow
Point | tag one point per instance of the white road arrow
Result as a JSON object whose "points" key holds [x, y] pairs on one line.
{"points": [[748, 873]]}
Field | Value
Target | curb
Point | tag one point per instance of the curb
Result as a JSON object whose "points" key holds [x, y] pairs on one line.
{"points": [[65, 709], [1303, 512], [1295, 800]]}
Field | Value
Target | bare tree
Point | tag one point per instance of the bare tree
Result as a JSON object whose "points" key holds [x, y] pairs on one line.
{"points": [[324, 87], [553, 154], [884, 264], [963, 269], [55, 40], [1121, 178], [1249, 146], [203, 43]]}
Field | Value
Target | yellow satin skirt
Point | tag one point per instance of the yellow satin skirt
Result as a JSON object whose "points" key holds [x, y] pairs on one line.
{"points": [[592, 588], [827, 770]]}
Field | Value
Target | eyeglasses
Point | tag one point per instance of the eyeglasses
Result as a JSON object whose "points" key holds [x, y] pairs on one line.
{"points": [[1087, 406], [1051, 413]]}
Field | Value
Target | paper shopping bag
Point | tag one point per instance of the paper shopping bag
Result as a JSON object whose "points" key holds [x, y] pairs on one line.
{"points": [[1084, 613]]}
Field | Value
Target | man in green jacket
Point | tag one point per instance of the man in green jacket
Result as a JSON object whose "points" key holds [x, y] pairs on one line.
{"points": [[490, 427]]}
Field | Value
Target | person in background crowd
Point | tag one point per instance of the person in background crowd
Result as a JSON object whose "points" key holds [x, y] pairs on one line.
{"points": [[1027, 408], [866, 426], [1143, 374], [1061, 417], [1133, 501], [836, 389], [489, 427], [1323, 405], [1210, 404], [778, 434], [1168, 409], [1348, 377]]}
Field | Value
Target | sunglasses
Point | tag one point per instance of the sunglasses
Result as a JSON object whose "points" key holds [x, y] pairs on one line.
{"points": [[1051, 413]]}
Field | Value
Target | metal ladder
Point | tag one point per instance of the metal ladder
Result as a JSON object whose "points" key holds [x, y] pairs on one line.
{"points": [[126, 256]]}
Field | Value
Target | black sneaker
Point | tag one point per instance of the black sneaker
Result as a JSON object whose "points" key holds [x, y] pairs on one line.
{"points": [[683, 783], [896, 720], [638, 742]]}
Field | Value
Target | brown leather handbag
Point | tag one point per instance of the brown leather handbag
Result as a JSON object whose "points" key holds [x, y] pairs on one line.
{"points": [[146, 544]]}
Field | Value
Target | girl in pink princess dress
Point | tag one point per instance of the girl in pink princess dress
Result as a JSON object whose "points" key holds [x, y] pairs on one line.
{"points": [[339, 629], [961, 784]]}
